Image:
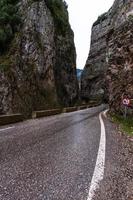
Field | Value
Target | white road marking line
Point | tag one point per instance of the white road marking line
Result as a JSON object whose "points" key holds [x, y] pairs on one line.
{"points": [[100, 162], [105, 113], [4, 129]]}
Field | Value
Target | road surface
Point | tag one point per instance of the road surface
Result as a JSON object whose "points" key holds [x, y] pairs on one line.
{"points": [[50, 158]]}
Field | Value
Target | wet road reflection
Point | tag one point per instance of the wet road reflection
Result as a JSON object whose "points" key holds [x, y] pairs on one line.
{"points": [[51, 158]]}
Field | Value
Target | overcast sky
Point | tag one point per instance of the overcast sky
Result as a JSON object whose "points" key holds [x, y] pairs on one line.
{"points": [[82, 14]]}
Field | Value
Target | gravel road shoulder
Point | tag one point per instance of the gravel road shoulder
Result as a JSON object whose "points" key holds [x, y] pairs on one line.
{"points": [[118, 180]]}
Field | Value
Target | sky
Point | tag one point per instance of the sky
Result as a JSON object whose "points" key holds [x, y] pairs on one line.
{"points": [[82, 14]]}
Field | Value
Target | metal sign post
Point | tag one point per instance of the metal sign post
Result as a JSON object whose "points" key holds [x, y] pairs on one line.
{"points": [[126, 103], [125, 112]]}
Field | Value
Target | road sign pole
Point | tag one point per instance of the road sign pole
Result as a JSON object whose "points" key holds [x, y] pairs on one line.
{"points": [[126, 102], [125, 112]]}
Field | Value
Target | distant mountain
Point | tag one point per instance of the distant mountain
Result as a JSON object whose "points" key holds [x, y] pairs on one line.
{"points": [[79, 72]]}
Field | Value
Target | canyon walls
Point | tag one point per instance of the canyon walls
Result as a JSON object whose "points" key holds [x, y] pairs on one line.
{"points": [[38, 67], [108, 73]]}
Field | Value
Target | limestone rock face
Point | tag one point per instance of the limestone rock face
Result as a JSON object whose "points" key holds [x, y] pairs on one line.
{"points": [[65, 69], [98, 81], [120, 65], [92, 84], [38, 66]]}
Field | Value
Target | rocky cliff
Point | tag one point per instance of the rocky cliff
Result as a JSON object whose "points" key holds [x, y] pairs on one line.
{"points": [[38, 66], [119, 76], [92, 80], [108, 73]]}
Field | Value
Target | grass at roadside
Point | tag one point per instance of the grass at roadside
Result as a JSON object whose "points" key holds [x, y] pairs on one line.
{"points": [[125, 124]]}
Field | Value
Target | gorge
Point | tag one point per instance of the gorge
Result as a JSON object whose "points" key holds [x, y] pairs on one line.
{"points": [[38, 57]]}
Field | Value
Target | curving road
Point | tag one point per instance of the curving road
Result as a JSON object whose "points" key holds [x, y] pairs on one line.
{"points": [[50, 158]]}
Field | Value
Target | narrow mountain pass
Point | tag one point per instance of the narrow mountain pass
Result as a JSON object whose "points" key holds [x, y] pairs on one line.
{"points": [[50, 158]]}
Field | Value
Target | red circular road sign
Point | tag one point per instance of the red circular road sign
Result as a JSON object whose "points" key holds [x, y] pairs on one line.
{"points": [[126, 102]]}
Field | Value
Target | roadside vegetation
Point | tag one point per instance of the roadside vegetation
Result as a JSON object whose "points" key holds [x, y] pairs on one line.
{"points": [[126, 124]]}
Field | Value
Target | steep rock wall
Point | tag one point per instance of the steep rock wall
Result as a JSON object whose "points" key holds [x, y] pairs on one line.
{"points": [[98, 81], [35, 70], [119, 76], [92, 80]]}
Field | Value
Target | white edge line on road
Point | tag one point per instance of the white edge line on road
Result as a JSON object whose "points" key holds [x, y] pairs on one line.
{"points": [[105, 113], [4, 129], [100, 162]]}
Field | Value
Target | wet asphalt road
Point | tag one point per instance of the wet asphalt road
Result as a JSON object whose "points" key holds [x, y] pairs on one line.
{"points": [[117, 183], [50, 158]]}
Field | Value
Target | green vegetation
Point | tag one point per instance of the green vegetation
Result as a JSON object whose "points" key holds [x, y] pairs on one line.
{"points": [[9, 20], [7, 59], [5, 62], [130, 17], [125, 124], [100, 19], [59, 12]]}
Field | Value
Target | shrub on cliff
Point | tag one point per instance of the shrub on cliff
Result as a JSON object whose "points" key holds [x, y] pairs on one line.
{"points": [[130, 17], [9, 20], [100, 19], [59, 12]]}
